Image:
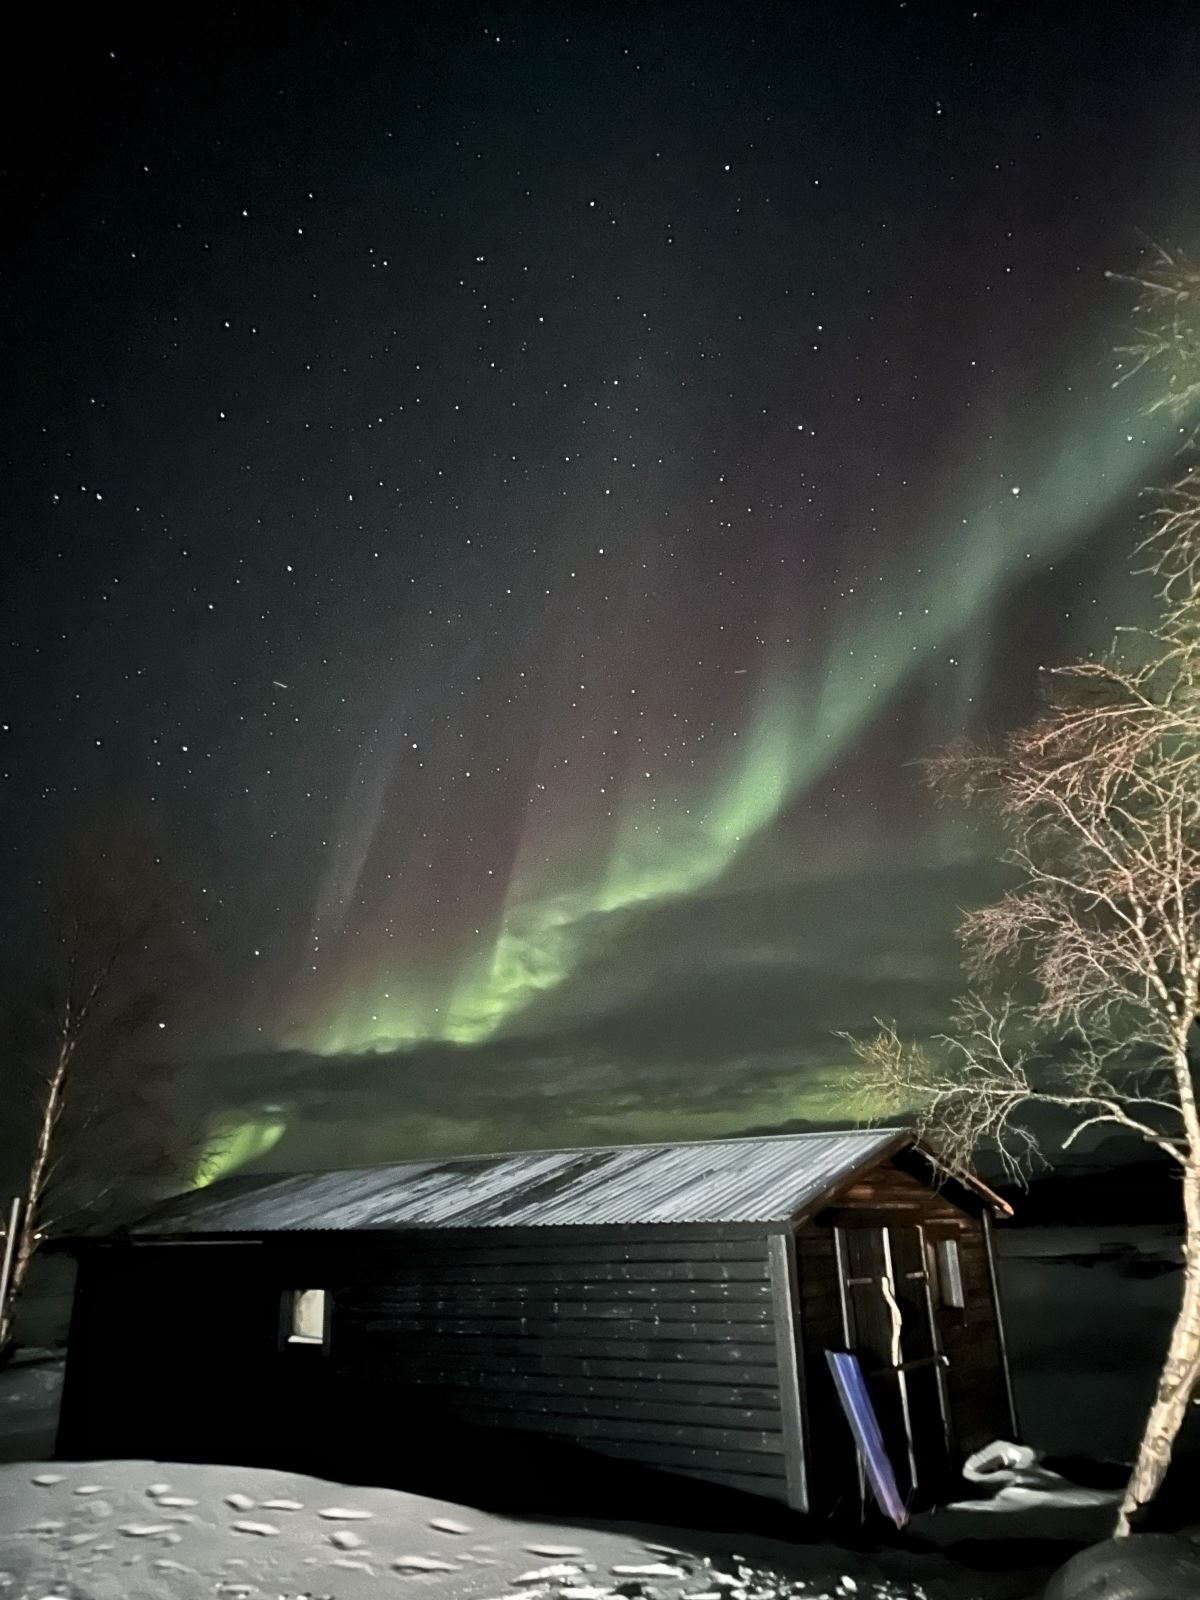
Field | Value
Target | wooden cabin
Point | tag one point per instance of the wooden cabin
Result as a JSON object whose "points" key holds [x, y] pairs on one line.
{"points": [[671, 1305]]}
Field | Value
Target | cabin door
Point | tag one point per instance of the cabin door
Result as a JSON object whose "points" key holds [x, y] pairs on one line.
{"points": [[889, 1324]]}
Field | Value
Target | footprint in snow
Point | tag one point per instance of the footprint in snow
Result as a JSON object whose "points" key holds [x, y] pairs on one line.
{"points": [[240, 1502], [449, 1525], [144, 1530], [556, 1550], [47, 1480], [282, 1505], [344, 1514], [423, 1564], [265, 1530]]}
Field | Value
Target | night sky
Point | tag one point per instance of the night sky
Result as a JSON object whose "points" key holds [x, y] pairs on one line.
{"points": [[508, 494]]}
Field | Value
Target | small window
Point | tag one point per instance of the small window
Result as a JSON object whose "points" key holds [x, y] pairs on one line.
{"points": [[306, 1313], [949, 1272]]}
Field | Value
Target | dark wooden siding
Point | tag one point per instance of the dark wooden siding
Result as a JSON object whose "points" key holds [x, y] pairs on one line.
{"points": [[971, 1337], [660, 1349], [975, 1382], [833, 1469]]}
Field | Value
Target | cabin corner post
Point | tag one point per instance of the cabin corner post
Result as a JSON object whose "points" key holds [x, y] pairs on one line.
{"points": [[785, 1310], [1002, 1337]]}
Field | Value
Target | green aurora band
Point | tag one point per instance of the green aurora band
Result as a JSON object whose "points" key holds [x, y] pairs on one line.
{"points": [[236, 1141], [798, 728], [1085, 464]]}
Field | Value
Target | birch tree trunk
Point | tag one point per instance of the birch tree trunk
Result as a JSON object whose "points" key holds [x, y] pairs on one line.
{"points": [[1178, 1380], [28, 1231]]}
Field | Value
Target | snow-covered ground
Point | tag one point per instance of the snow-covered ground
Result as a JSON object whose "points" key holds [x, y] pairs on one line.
{"points": [[140, 1530]]}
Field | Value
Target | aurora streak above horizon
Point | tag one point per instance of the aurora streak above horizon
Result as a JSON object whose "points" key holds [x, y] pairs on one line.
{"points": [[796, 723]]}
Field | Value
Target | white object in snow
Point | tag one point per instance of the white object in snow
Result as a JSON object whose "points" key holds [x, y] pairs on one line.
{"points": [[1021, 1483], [998, 1462]]}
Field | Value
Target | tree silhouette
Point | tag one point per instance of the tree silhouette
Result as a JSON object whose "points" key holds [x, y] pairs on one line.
{"points": [[93, 1095]]}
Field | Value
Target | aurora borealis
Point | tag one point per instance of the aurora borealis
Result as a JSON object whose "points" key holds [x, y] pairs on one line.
{"points": [[509, 494]]}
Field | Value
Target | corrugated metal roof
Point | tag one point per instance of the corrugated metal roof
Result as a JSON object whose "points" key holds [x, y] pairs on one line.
{"points": [[725, 1180]]}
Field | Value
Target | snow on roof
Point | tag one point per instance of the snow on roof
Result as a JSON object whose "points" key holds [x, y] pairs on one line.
{"points": [[726, 1180]]}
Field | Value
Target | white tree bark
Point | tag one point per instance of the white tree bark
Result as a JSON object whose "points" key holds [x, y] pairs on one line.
{"points": [[29, 1228], [1178, 1379]]}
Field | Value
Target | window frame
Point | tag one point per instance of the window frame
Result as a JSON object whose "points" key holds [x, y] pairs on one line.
{"points": [[948, 1272], [289, 1303]]}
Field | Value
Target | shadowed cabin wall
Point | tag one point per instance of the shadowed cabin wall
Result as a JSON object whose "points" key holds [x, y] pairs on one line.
{"points": [[171, 1352], [657, 1346]]}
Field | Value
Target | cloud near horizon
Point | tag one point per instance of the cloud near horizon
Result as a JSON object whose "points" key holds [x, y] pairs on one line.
{"points": [[689, 1019]]}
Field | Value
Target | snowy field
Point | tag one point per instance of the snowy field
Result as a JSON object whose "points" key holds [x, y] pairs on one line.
{"points": [[148, 1531]]}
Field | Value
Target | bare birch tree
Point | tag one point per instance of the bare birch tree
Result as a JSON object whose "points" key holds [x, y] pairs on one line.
{"points": [[1085, 975], [88, 1090]]}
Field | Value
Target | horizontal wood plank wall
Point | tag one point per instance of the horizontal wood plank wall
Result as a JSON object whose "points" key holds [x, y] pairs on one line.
{"points": [[888, 1188], [656, 1348], [971, 1338]]}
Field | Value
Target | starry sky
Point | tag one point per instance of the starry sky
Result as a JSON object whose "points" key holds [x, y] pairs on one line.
{"points": [[508, 493]]}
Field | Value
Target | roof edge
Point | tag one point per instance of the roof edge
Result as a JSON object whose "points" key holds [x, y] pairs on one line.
{"points": [[907, 1139]]}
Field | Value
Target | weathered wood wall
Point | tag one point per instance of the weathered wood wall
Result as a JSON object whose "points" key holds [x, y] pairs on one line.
{"points": [[656, 1347], [975, 1378]]}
